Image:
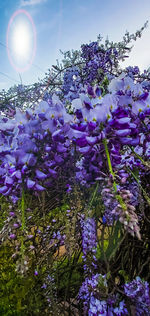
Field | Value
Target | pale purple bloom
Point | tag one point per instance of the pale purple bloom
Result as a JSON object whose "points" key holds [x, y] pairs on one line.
{"points": [[30, 183], [40, 175]]}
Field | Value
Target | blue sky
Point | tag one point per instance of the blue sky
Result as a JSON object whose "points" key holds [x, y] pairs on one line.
{"points": [[66, 24]]}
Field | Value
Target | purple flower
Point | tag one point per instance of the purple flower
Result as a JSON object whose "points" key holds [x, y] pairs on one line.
{"points": [[3, 189], [9, 180], [40, 175], [12, 214], [121, 309], [39, 187], [16, 225], [12, 236], [30, 183], [69, 188], [44, 286], [52, 172], [138, 291], [61, 148], [41, 109], [35, 272], [30, 236], [123, 132], [17, 174]]}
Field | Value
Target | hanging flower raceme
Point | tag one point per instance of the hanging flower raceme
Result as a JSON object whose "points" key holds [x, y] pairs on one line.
{"points": [[89, 243]]}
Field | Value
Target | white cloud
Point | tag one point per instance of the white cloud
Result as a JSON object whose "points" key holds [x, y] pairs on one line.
{"points": [[25, 3]]}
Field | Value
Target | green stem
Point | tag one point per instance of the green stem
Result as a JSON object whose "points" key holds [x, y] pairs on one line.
{"points": [[109, 164], [108, 156], [118, 197]]}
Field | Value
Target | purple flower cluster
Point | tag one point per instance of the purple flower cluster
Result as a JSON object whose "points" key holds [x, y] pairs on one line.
{"points": [[33, 148], [71, 83], [110, 203], [101, 307], [97, 307], [119, 206], [117, 117], [134, 190], [120, 310], [127, 213], [39, 146], [49, 290], [97, 301], [89, 287], [89, 243], [132, 71], [98, 61], [59, 237], [139, 293]]}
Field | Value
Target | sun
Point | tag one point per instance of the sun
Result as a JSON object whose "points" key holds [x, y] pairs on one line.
{"points": [[21, 40]]}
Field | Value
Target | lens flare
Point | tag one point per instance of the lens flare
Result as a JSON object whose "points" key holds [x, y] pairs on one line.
{"points": [[21, 40]]}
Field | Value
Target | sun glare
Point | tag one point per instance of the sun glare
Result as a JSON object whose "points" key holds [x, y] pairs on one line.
{"points": [[21, 40]]}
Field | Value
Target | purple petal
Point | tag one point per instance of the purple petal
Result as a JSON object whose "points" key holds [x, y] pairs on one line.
{"points": [[79, 114], [30, 184], [98, 91], [123, 120], [90, 91], [87, 105], [79, 127], [130, 141], [17, 174], [24, 169], [123, 132], [7, 192], [47, 149], [92, 126], [3, 189], [16, 225], [57, 136], [91, 140], [85, 150], [143, 96], [8, 180], [36, 272], [58, 159], [61, 148], [52, 172], [12, 236], [40, 175], [12, 214], [81, 142], [39, 188]]}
